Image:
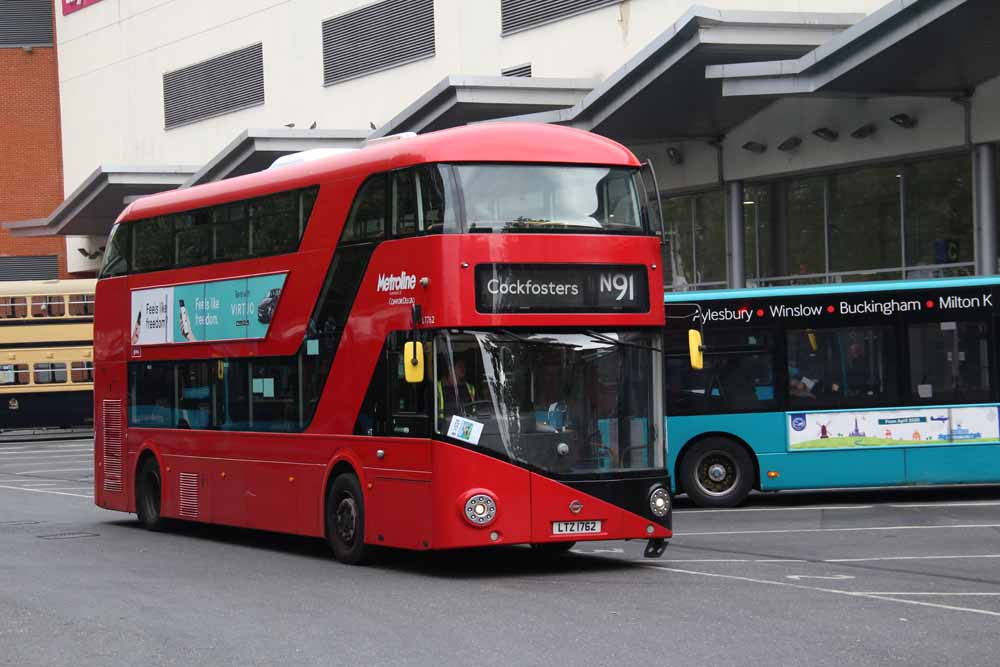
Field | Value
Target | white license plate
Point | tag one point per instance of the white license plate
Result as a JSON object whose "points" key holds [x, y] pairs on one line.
{"points": [[575, 527]]}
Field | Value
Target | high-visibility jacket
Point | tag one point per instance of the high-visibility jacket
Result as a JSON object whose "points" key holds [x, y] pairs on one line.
{"points": [[440, 395]]}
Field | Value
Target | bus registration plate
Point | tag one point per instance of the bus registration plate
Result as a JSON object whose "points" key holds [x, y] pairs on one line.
{"points": [[575, 527]]}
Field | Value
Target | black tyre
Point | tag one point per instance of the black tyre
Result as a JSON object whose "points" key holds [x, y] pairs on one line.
{"points": [[552, 549], [149, 494], [345, 520], [717, 473]]}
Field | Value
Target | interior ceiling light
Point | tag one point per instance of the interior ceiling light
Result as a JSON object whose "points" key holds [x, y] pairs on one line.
{"points": [[826, 134], [904, 120], [754, 147], [675, 156], [865, 131], [790, 144]]}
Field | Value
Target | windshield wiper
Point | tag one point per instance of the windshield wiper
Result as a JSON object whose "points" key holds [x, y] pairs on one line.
{"points": [[614, 341]]}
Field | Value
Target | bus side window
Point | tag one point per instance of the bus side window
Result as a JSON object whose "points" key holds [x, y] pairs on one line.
{"points": [[81, 304], [839, 367], [13, 307], [950, 362], [151, 394], [48, 306], [367, 219], [406, 220], [372, 415]]}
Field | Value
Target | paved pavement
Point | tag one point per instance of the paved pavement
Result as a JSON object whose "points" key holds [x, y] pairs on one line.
{"points": [[846, 578]]}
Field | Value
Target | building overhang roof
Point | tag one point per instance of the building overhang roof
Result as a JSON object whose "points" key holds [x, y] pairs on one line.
{"points": [[92, 208], [662, 93], [460, 100], [255, 149], [908, 47]]}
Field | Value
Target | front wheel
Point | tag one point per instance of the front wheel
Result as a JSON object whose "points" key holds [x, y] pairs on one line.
{"points": [[717, 473], [345, 520], [149, 495]]}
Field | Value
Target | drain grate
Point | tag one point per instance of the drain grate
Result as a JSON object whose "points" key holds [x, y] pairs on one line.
{"points": [[66, 536]]}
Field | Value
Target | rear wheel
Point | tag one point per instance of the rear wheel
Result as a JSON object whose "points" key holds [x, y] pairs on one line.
{"points": [[551, 549], [149, 494], [717, 473], [345, 520]]}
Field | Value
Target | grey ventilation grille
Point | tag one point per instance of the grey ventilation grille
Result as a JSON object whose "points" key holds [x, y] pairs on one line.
{"points": [[224, 84], [377, 37], [40, 267], [26, 23], [111, 433], [519, 70], [189, 502], [517, 15]]}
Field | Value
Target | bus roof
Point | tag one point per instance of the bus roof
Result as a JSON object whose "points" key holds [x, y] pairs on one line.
{"points": [[838, 288], [40, 287], [487, 142]]}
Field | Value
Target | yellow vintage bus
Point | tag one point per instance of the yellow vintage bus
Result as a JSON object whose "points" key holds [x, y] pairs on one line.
{"points": [[46, 354]]}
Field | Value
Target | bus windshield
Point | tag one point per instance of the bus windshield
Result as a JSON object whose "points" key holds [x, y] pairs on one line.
{"points": [[566, 403], [542, 198]]}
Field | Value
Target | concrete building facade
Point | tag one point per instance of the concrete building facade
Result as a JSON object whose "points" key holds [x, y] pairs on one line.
{"points": [[781, 131]]}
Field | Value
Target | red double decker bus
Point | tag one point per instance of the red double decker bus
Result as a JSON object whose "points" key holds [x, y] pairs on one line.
{"points": [[436, 341]]}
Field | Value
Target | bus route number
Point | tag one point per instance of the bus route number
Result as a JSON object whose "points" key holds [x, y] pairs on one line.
{"points": [[619, 285]]}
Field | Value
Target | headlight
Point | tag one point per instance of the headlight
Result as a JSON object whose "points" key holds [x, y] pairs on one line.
{"points": [[659, 502], [480, 510]]}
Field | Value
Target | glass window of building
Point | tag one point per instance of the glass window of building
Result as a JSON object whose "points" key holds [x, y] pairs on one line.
{"points": [[696, 233], [864, 210], [939, 230]]}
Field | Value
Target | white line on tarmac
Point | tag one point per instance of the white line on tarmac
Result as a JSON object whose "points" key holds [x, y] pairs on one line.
{"points": [[942, 594], [38, 472], [42, 452], [834, 591], [721, 560], [37, 483], [35, 459], [55, 493], [921, 505], [830, 530], [777, 509], [879, 558]]}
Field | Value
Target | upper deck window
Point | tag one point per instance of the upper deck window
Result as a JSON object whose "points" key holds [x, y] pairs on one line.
{"points": [[257, 227], [546, 199]]}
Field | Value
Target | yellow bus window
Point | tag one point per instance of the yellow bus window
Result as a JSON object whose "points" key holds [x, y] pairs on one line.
{"points": [[82, 371], [50, 373], [81, 304], [12, 307], [52, 305], [14, 374]]}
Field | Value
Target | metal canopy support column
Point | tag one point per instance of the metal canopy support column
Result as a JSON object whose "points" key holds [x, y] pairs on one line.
{"points": [[985, 178], [736, 274]]}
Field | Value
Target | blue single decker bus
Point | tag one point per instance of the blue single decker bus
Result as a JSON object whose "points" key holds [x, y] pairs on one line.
{"points": [[875, 384]]}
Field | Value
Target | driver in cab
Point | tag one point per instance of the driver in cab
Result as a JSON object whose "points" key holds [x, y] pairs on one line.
{"points": [[454, 392]]}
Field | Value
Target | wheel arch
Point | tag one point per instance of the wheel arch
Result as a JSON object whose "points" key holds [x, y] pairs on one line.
{"points": [[343, 463], [725, 435], [146, 450]]}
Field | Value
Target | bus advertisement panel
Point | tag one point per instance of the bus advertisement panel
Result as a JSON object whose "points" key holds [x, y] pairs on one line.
{"points": [[447, 340], [835, 386]]}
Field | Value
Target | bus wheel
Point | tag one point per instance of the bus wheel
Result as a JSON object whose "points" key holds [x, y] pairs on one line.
{"points": [[148, 495], [717, 473], [551, 549], [345, 520]]}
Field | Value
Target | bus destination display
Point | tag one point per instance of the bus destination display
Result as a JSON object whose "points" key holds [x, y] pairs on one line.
{"points": [[561, 288]]}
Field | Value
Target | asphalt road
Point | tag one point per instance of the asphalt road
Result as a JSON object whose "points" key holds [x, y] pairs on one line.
{"points": [[845, 578]]}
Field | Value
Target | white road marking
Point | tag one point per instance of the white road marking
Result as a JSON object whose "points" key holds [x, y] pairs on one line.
{"points": [[833, 530], [38, 472], [880, 558], [37, 483], [777, 509], [55, 493], [989, 503], [928, 594], [833, 591], [722, 560], [832, 577], [56, 452]]}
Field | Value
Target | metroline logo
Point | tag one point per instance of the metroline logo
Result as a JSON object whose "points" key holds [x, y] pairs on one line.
{"points": [[396, 283]]}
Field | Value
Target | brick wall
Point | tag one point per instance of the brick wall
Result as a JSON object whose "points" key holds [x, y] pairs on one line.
{"points": [[30, 148]]}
